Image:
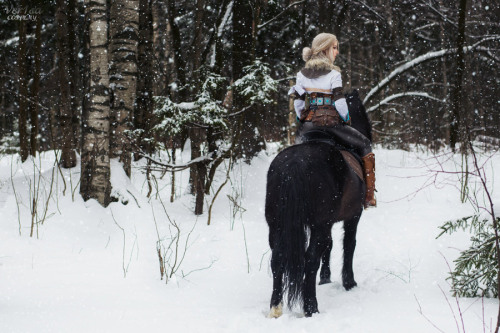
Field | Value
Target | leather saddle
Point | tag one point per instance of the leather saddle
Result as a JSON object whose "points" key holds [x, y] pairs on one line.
{"points": [[352, 159]]}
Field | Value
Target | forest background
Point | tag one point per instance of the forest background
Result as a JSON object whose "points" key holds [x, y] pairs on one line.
{"points": [[129, 79]]}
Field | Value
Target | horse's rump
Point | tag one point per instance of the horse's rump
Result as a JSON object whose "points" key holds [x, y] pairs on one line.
{"points": [[323, 173]]}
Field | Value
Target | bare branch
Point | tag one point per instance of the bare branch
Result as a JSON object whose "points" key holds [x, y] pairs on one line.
{"points": [[284, 10]]}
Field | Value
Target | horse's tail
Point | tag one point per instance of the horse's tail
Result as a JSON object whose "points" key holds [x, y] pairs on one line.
{"points": [[291, 238]]}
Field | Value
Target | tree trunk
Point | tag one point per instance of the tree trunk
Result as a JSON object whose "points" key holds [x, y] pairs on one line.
{"points": [[349, 53], [325, 9], [199, 170], [124, 25], [251, 141], [95, 174], [341, 18], [23, 89], [457, 134], [180, 63], [35, 88], [68, 157], [445, 117], [160, 47], [75, 84], [143, 116], [198, 38]]}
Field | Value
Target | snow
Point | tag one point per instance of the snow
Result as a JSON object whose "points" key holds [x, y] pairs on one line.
{"points": [[95, 269]]}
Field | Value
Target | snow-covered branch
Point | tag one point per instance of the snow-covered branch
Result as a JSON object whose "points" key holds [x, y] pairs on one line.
{"points": [[418, 60], [404, 94], [225, 19]]}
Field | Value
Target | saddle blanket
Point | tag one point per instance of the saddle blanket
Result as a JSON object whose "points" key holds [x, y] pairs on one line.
{"points": [[353, 163]]}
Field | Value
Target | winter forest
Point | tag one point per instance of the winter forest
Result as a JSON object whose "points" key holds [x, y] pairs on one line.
{"points": [[135, 138]]}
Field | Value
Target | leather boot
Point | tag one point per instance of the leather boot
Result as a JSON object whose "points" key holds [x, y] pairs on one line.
{"points": [[369, 173]]}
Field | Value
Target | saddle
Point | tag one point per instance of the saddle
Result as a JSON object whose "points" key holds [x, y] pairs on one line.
{"points": [[352, 159]]}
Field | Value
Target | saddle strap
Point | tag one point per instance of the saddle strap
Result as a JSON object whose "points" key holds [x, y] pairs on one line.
{"points": [[353, 163]]}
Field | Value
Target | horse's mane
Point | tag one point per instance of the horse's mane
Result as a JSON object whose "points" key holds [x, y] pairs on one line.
{"points": [[358, 115]]}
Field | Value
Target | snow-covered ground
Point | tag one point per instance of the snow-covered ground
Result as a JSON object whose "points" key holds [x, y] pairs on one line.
{"points": [[94, 269]]}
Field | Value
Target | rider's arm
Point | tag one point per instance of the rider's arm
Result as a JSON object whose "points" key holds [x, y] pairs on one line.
{"points": [[340, 102], [299, 94]]}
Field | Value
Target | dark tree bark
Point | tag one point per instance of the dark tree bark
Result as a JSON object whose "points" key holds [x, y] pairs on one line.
{"points": [[68, 156], [250, 138], [23, 89], [75, 84], [143, 115], [177, 49], [199, 171], [199, 33], [35, 88], [161, 48], [457, 133], [325, 13], [341, 18]]}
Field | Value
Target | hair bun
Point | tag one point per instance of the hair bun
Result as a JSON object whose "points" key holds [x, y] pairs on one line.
{"points": [[306, 53]]}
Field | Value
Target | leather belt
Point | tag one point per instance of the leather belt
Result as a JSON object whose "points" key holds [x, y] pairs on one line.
{"points": [[318, 99]]}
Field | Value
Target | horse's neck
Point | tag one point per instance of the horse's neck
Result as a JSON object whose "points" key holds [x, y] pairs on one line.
{"points": [[361, 123], [359, 118]]}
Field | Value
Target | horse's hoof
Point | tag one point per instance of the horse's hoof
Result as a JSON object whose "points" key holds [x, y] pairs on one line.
{"points": [[276, 311], [350, 285], [324, 281], [310, 308], [308, 314]]}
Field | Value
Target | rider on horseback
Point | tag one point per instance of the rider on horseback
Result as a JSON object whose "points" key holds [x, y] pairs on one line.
{"points": [[320, 104]]}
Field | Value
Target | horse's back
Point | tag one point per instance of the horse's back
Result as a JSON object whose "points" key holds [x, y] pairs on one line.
{"points": [[318, 173]]}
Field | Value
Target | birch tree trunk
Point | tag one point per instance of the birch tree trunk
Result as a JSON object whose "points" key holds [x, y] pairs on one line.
{"points": [[124, 26], [95, 174], [68, 157]]}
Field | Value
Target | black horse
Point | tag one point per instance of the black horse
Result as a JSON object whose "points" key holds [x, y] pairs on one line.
{"points": [[309, 188]]}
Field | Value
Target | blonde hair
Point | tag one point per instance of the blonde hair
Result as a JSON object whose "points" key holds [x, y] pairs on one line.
{"points": [[321, 43]]}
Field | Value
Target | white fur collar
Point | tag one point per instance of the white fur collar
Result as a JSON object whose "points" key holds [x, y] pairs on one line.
{"points": [[319, 64]]}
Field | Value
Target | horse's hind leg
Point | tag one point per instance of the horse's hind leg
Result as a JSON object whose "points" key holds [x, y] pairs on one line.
{"points": [[317, 245], [277, 296], [350, 229], [325, 274]]}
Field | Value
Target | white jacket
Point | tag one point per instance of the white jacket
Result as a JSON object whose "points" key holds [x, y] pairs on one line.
{"points": [[323, 84]]}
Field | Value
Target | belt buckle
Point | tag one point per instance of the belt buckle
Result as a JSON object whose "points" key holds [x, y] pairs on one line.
{"points": [[320, 101]]}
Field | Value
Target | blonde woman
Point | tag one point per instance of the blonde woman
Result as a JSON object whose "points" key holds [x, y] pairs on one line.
{"points": [[320, 84]]}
